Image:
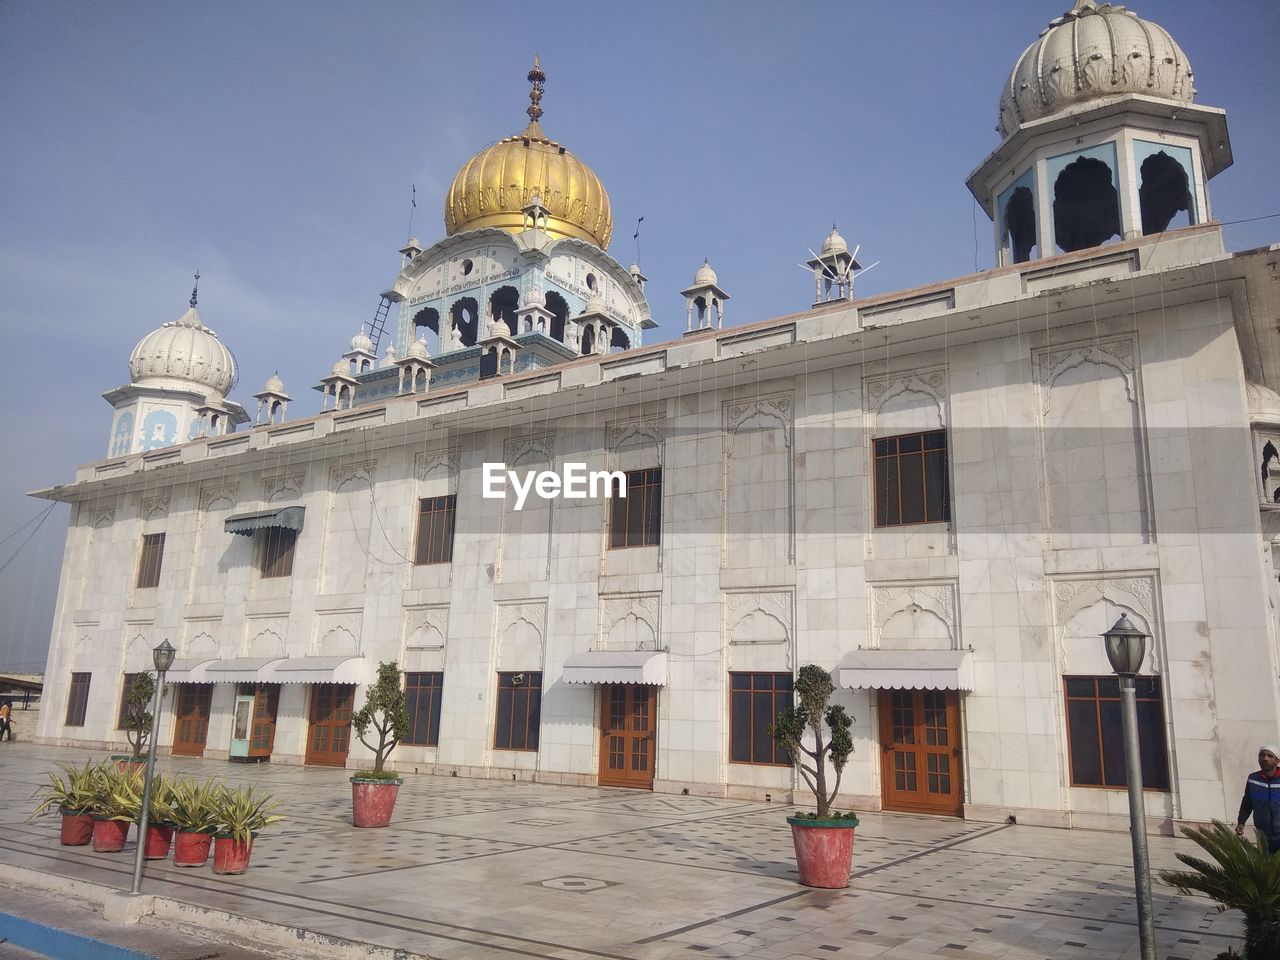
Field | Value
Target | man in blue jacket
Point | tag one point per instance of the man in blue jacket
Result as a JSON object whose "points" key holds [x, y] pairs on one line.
{"points": [[1262, 798]]}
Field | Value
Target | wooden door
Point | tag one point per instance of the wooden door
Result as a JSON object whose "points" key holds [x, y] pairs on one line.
{"points": [[329, 735], [920, 751], [262, 738], [628, 715], [191, 724]]}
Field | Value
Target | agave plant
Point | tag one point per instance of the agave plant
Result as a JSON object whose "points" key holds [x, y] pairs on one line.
{"points": [[243, 812], [1242, 876], [117, 794], [74, 791], [194, 807]]}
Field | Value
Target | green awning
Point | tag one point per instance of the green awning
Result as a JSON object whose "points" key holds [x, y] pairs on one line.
{"points": [[286, 518]]}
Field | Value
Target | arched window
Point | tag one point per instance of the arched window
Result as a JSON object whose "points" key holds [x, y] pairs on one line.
{"points": [[1020, 223], [1086, 207], [504, 303], [559, 313], [1164, 193], [588, 340], [426, 319], [619, 340], [700, 305], [465, 313]]}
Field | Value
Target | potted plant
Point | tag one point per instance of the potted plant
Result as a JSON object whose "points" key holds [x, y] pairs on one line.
{"points": [[1243, 876], [241, 814], [160, 819], [72, 794], [373, 792], [823, 839], [193, 809], [137, 720], [117, 802]]}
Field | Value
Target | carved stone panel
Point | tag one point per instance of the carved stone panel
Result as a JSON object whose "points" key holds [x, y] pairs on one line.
{"points": [[630, 622], [936, 629], [1080, 647]]}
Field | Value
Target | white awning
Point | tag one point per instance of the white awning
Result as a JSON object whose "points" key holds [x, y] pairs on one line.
{"points": [[241, 670], [907, 670], [617, 666], [317, 670], [188, 671], [288, 518]]}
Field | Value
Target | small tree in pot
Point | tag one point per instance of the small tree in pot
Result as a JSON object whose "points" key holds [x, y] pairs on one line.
{"points": [[823, 839], [136, 714], [373, 792]]}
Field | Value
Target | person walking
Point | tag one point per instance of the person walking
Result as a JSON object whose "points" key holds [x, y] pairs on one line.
{"points": [[6, 725], [1262, 798]]}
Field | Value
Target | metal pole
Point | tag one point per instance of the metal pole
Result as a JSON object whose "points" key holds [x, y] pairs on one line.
{"points": [[145, 816], [1137, 819]]}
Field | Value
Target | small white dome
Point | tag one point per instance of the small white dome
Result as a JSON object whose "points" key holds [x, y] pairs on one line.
{"points": [[834, 243], [1264, 403], [705, 275], [418, 350], [595, 303], [340, 368], [497, 327], [183, 350], [361, 342], [535, 298], [390, 357], [274, 384]]}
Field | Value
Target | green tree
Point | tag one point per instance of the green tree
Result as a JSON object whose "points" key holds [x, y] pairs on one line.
{"points": [[137, 712], [1242, 876], [384, 710], [814, 688]]}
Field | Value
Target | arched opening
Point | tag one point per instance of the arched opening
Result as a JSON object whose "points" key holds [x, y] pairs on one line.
{"points": [[465, 313], [364, 365], [619, 340], [1086, 207], [700, 307], [559, 313], [588, 340], [489, 363], [503, 304], [1020, 224], [591, 281], [420, 380], [1164, 193], [426, 319]]}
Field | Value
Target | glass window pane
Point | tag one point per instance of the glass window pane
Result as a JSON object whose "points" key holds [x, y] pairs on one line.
{"points": [[502, 733], [911, 478], [910, 443], [886, 447], [1112, 743], [740, 727], [1082, 728], [887, 511], [1080, 687], [1155, 767], [761, 717], [935, 486]]}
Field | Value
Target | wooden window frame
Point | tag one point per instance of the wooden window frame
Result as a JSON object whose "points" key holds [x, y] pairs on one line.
{"points": [[881, 454], [414, 701], [507, 688], [781, 698], [437, 518], [1159, 751], [150, 560], [277, 546], [642, 506], [78, 699]]}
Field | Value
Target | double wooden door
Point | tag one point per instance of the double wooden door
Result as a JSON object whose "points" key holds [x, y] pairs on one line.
{"points": [[255, 721], [329, 734], [920, 751], [191, 724], [628, 715]]}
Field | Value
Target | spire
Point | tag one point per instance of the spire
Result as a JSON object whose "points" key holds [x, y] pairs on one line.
{"points": [[536, 78], [195, 290]]}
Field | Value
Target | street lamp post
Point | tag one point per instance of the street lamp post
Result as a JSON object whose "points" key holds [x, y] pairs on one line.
{"points": [[162, 656], [1126, 648]]}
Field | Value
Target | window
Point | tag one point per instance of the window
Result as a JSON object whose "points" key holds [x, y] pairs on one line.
{"points": [[78, 699], [754, 700], [519, 711], [435, 530], [149, 562], [1096, 732], [276, 556], [636, 519], [122, 720], [422, 698], [911, 479]]}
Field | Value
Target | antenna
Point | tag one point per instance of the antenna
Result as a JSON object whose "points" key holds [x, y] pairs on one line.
{"points": [[636, 238], [413, 206]]}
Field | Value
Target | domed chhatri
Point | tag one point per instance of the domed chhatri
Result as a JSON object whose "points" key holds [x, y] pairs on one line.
{"points": [[1095, 50], [362, 342], [494, 186], [705, 274], [184, 350], [834, 243]]}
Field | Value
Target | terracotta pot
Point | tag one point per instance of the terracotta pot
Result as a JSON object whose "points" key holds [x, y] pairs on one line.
{"points": [[231, 855], [824, 851], [191, 849], [158, 839], [77, 829], [128, 764], [109, 835], [372, 801]]}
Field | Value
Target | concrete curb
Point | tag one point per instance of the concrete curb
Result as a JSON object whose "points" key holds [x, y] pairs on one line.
{"points": [[122, 908]]}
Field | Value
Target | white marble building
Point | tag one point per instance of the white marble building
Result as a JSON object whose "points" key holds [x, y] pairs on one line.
{"points": [[943, 494]]}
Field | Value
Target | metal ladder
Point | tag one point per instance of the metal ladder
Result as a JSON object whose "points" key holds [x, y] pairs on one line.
{"points": [[379, 323]]}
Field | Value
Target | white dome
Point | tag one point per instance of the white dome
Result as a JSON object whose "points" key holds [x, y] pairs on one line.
{"points": [[834, 243], [340, 368], [497, 328], [274, 384], [417, 350], [705, 276], [1095, 50], [389, 358], [534, 298], [184, 350], [1264, 403], [361, 342], [595, 303]]}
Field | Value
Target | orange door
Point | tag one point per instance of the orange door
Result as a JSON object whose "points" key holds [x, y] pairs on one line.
{"points": [[329, 736], [920, 751], [628, 720], [191, 724], [262, 740]]}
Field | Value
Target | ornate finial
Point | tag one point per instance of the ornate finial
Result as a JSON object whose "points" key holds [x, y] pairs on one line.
{"points": [[536, 78], [195, 290]]}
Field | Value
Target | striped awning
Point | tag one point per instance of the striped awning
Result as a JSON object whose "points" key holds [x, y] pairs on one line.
{"points": [[907, 670], [318, 670], [287, 518], [188, 671], [617, 666], [241, 670]]}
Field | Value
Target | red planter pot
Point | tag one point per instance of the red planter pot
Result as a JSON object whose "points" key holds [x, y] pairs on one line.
{"points": [[824, 851], [77, 829], [158, 840], [372, 801], [109, 835], [191, 849], [231, 855]]}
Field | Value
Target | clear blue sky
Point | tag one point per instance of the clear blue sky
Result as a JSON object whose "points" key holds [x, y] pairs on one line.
{"points": [[273, 145]]}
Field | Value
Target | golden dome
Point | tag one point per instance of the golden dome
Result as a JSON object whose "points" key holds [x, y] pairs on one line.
{"points": [[494, 186]]}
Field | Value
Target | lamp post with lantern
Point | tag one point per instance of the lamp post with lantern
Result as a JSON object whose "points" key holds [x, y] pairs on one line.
{"points": [[1126, 647], [162, 657]]}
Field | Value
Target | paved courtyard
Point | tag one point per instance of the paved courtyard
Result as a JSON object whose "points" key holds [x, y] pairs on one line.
{"points": [[483, 868]]}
